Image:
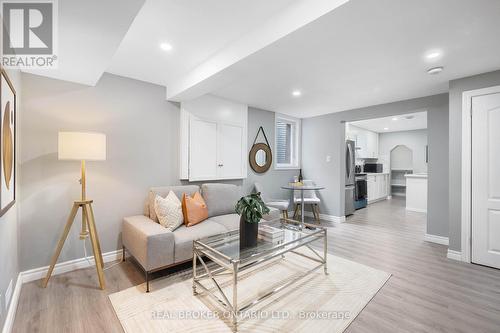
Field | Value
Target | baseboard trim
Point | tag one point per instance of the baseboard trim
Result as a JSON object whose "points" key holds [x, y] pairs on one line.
{"points": [[331, 218], [11, 312], [436, 239], [39, 273], [68, 266], [418, 210], [454, 255]]}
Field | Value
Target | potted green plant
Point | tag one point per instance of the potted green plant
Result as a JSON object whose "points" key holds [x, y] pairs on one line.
{"points": [[251, 208]]}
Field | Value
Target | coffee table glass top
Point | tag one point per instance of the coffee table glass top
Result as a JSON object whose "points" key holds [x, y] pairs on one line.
{"points": [[226, 246], [302, 187]]}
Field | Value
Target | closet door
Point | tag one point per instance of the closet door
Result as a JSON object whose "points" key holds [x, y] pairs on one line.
{"points": [[230, 151], [202, 149], [486, 180]]}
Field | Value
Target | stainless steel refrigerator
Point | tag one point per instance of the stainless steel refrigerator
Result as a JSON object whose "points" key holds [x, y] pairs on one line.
{"points": [[350, 164]]}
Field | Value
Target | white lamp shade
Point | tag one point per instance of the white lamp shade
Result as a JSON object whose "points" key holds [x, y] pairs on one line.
{"points": [[82, 146]]}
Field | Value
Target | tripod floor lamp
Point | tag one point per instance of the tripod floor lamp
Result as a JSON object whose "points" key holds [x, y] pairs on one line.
{"points": [[82, 146]]}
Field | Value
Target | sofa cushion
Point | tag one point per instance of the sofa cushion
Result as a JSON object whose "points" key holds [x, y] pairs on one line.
{"points": [[228, 221], [220, 198], [151, 244], [169, 211], [194, 209], [163, 192], [184, 237]]}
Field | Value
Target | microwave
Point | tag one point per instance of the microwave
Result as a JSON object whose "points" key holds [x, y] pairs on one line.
{"points": [[373, 167]]}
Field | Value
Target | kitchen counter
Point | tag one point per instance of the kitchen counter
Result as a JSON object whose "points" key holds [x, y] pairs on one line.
{"points": [[416, 192], [376, 173], [416, 175]]}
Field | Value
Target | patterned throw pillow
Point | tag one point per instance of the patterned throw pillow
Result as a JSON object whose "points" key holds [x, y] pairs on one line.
{"points": [[194, 208], [169, 211]]}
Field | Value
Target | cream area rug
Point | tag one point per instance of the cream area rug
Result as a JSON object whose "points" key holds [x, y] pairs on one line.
{"points": [[316, 303]]}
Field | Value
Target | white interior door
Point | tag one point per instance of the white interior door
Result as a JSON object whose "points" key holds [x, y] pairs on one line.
{"points": [[202, 149], [486, 180], [230, 151]]}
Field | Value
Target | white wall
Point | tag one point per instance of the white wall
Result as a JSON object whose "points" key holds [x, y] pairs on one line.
{"points": [[415, 140], [142, 131], [9, 265]]}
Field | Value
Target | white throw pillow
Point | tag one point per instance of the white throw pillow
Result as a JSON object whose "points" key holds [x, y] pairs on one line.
{"points": [[169, 211]]}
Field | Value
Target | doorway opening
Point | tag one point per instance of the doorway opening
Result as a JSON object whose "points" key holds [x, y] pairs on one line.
{"points": [[386, 159]]}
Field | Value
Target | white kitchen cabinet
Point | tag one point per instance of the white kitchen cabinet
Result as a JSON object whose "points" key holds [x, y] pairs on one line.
{"points": [[213, 139], [230, 149], [216, 150], [366, 141], [377, 186], [203, 149], [371, 144]]}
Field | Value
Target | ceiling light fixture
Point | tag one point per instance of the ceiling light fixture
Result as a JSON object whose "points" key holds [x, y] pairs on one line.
{"points": [[395, 118], [296, 93], [386, 128], [166, 47], [433, 55], [435, 70]]}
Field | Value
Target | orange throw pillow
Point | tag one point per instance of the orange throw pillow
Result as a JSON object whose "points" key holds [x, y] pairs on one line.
{"points": [[194, 209]]}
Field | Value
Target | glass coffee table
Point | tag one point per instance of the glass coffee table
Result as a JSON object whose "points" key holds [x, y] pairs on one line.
{"points": [[224, 251]]}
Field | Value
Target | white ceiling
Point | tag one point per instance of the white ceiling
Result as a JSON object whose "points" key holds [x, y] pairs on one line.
{"points": [[196, 29], [370, 52], [406, 122], [339, 55], [89, 33]]}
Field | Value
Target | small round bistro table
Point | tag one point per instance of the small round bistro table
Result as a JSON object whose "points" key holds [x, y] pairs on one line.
{"points": [[302, 188]]}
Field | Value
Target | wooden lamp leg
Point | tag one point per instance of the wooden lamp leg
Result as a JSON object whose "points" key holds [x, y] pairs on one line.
{"points": [[92, 219], [95, 246], [64, 235]]}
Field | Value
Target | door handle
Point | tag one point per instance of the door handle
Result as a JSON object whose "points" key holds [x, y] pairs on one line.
{"points": [[220, 165]]}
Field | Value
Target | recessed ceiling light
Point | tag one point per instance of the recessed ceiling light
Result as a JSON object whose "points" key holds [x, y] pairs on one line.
{"points": [[395, 118], [433, 55], [435, 70], [296, 93], [386, 128], [166, 47]]}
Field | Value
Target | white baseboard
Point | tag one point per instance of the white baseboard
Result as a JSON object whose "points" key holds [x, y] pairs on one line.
{"points": [[39, 273], [68, 266], [436, 239], [11, 312], [331, 218], [418, 210], [454, 255]]}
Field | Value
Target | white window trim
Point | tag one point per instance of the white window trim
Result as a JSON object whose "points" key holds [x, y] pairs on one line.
{"points": [[296, 148]]}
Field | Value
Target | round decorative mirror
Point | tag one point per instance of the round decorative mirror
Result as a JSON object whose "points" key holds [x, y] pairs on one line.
{"points": [[260, 157]]}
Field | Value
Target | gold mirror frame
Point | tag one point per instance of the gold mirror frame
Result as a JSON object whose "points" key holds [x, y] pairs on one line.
{"points": [[252, 157]]}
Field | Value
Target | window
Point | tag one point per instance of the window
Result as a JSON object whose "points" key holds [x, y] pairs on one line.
{"points": [[287, 136]]}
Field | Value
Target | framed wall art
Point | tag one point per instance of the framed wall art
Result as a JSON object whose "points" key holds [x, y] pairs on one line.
{"points": [[7, 143]]}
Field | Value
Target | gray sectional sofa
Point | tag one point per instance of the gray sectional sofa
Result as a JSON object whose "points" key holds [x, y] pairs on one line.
{"points": [[156, 248]]}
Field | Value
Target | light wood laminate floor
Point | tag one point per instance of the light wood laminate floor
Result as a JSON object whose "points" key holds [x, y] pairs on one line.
{"points": [[426, 293]]}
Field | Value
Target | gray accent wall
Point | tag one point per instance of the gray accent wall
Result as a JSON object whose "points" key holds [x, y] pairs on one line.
{"points": [[142, 131], [324, 136], [457, 87], [9, 266]]}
